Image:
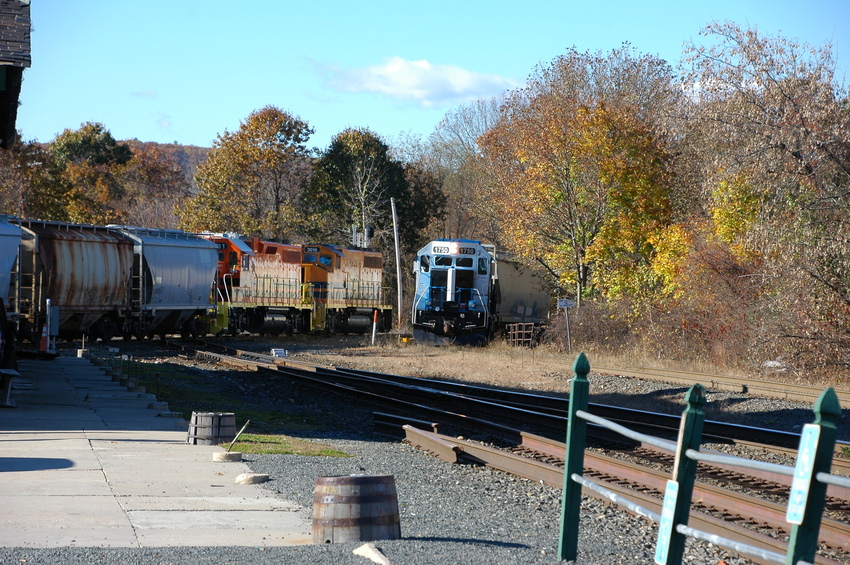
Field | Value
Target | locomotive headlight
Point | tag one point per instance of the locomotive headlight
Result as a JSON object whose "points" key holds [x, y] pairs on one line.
{"points": [[471, 304], [428, 302]]}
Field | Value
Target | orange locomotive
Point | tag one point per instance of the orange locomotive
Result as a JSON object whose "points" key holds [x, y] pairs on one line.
{"points": [[269, 287], [345, 286]]}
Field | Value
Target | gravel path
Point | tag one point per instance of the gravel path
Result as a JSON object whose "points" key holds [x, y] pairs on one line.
{"points": [[461, 514], [468, 514]]}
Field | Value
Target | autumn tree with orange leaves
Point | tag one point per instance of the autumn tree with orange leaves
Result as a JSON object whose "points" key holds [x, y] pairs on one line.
{"points": [[580, 180], [154, 188], [253, 177], [87, 166]]}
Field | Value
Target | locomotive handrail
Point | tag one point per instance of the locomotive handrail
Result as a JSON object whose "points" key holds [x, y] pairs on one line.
{"points": [[226, 288], [306, 293]]}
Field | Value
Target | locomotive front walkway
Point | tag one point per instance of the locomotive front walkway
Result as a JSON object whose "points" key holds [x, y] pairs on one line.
{"points": [[84, 462]]}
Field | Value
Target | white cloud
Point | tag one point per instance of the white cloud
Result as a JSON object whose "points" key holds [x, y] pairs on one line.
{"points": [[163, 121], [417, 81], [149, 94]]}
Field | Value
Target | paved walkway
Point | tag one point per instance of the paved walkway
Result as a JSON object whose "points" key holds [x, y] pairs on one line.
{"points": [[84, 462]]}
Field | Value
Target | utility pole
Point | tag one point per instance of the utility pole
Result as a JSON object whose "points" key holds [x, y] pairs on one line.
{"points": [[397, 261]]}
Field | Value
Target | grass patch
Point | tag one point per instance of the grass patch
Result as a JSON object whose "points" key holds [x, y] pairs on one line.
{"points": [[283, 445]]}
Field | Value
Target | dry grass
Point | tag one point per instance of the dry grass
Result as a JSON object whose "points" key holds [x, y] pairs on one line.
{"points": [[545, 368]]}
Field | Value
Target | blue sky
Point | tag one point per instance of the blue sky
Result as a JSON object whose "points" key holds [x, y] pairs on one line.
{"points": [[187, 70]]}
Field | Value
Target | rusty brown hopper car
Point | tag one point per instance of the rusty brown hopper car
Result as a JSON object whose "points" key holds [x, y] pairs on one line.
{"points": [[84, 270]]}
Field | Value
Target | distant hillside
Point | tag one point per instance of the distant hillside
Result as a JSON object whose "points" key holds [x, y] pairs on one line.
{"points": [[188, 156]]}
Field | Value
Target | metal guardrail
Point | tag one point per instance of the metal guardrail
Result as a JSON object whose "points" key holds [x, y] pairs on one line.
{"points": [[806, 502]]}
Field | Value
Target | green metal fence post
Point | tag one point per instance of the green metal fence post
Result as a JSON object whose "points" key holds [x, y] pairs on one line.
{"points": [[804, 537], [671, 544], [574, 460]]}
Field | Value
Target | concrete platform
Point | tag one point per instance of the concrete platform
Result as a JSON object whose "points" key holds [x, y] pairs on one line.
{"points": [[84, 462]]}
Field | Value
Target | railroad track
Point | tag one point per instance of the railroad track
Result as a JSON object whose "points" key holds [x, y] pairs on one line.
{"points": [[542, 411], [760, 387], [542, 414], [498, 415], [717, 511]]}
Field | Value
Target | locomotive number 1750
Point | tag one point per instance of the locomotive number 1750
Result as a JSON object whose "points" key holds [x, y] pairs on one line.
{"points": [[445, 250]]}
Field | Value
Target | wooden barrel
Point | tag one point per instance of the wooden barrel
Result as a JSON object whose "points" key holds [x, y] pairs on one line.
{"points": [[355, 508], [211, 428]]}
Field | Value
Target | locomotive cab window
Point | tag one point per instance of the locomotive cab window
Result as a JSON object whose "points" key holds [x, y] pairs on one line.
{"points": [[442, 261], [464, 262], [234, 259], [465, 279], [424, 263], [482, 266], [326, 260], [309, 258], [440, 279]]}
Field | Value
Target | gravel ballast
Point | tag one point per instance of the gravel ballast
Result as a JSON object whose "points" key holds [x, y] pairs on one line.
{"points": [[450, 514]]}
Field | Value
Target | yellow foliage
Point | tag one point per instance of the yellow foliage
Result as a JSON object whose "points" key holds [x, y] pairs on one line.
{"points": [[672, 246], [735, 207]]}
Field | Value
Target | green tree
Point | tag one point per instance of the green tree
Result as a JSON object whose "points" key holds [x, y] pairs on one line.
{"points": [[421, 208], [253, 178], [352, 184], [88, 164]]}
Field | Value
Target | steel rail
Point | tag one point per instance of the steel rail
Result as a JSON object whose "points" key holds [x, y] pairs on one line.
{"points": [[768, 472], [764, 387], [454, 450], [389, 385], [556, 405], [761, 387], [714, 431], [320, 374]]}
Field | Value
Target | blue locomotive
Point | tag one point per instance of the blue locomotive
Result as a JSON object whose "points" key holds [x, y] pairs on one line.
{"points": [[464, 294], [456, 296]]}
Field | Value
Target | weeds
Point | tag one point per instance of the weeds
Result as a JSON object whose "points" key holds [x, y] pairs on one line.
{"points": [[283, 445], [187, 390]]}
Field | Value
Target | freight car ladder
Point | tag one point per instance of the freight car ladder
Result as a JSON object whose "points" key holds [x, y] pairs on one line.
{"points": [[136, 295], [24, 293]]}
